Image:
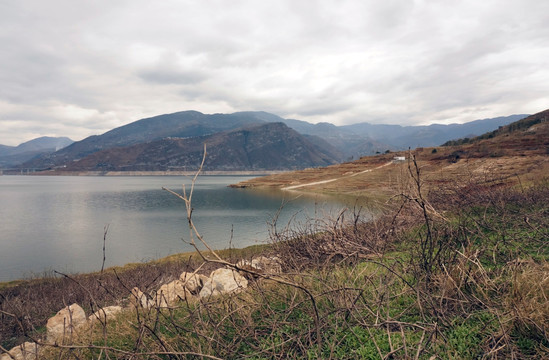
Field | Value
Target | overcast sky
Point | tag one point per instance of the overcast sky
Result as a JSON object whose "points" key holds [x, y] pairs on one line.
{"points": [[77, 68]]}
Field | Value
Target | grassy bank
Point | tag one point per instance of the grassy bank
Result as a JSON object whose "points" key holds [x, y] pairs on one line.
{"points": [[33, 301], [458, 272]]}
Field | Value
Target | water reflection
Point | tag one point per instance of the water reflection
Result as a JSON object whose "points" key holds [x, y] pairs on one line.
{"points": [[57, 222]]}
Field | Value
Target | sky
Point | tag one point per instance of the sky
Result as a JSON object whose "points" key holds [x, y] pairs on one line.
{"points": [[78, 68]]}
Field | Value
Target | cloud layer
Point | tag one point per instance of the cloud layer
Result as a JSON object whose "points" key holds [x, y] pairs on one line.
{"points": [[75, 68]]}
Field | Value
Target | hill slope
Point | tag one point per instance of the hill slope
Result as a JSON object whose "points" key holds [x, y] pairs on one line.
{"points": [[513, 153], [271, 146], [11, 156], [180, 124], [367, 139], [351, 141], [403, 137]]}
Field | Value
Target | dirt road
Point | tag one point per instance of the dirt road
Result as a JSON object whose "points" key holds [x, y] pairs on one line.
{"points": [[332, 180]]}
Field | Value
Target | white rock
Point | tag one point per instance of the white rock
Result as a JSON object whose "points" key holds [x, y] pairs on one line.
{"points": [[223, 281], [170, 294], [262, 264], [267, 264], [65, 322], [106, 313], [139, 300], [193, 282], [26, 351], [243, 263]]}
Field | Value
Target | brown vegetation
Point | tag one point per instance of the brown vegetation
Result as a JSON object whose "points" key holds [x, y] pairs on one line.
{"points": [[515, 151], [453, 272], [454, 267]]}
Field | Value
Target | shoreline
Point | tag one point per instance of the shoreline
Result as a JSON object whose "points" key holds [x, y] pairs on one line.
{"points": [[185, 255]]}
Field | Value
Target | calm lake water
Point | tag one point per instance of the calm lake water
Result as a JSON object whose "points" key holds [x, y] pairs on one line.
{"points": [[57, 223]]}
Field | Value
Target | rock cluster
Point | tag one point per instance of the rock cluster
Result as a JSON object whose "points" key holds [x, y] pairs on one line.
{"points": [[262, 264], [189, 287], [25, 351]]}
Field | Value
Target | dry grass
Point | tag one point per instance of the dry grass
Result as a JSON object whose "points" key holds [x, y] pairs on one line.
{"points": [[529, 297], [523, 153], [34, 301], [454, 271]]}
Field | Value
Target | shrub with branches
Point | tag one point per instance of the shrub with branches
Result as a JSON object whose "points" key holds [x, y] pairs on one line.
{"points": [[457, 272]]}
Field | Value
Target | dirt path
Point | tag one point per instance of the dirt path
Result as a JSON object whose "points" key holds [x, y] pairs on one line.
{"points": [[332, 180]]}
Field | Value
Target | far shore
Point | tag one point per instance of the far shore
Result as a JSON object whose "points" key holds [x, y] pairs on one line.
{"points": [[147, 173]]}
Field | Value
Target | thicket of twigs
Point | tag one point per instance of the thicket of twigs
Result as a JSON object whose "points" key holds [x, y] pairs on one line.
{"points": [[453, 273]]}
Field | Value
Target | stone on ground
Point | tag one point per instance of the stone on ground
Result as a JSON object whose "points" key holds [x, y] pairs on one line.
{"points": [[170, 294], [193, 282], [26, 351], [223, 281], [65, 322], [106, 313], [138, 299], [262, 264]]}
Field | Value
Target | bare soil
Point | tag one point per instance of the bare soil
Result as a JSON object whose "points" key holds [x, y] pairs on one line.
{"points": [[520, 157]]}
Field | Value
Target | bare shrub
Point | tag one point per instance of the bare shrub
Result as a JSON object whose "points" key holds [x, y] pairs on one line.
{"points": [[456, 272], [529, 297], [31, 303], [345, 237]]}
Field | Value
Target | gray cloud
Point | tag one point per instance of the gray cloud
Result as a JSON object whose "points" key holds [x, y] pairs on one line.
{"points": [[169, 76], [81, 68]]}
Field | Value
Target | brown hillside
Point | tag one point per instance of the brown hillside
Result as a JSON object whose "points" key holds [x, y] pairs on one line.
{"points": [[518, 152], [270, 146]]}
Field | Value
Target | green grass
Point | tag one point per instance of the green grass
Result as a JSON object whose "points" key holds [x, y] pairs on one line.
{"points": [[481, 294]]}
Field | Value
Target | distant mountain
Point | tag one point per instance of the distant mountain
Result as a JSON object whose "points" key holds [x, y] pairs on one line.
{"points": [[11, 156], [529, 133], [402, 137], [271, 146], [43, 143], [367, 139], [351, 141], [513, 154], [38, 144], [181, 124], [351, 144], [5, 149]]}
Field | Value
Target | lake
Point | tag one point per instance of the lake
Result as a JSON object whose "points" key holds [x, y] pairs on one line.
{"points": [[57, 222]]}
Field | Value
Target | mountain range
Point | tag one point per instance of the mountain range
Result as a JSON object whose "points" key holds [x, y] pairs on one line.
{"points": [[272, 146], [11, 156], [244, 141], [513, 154]]}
